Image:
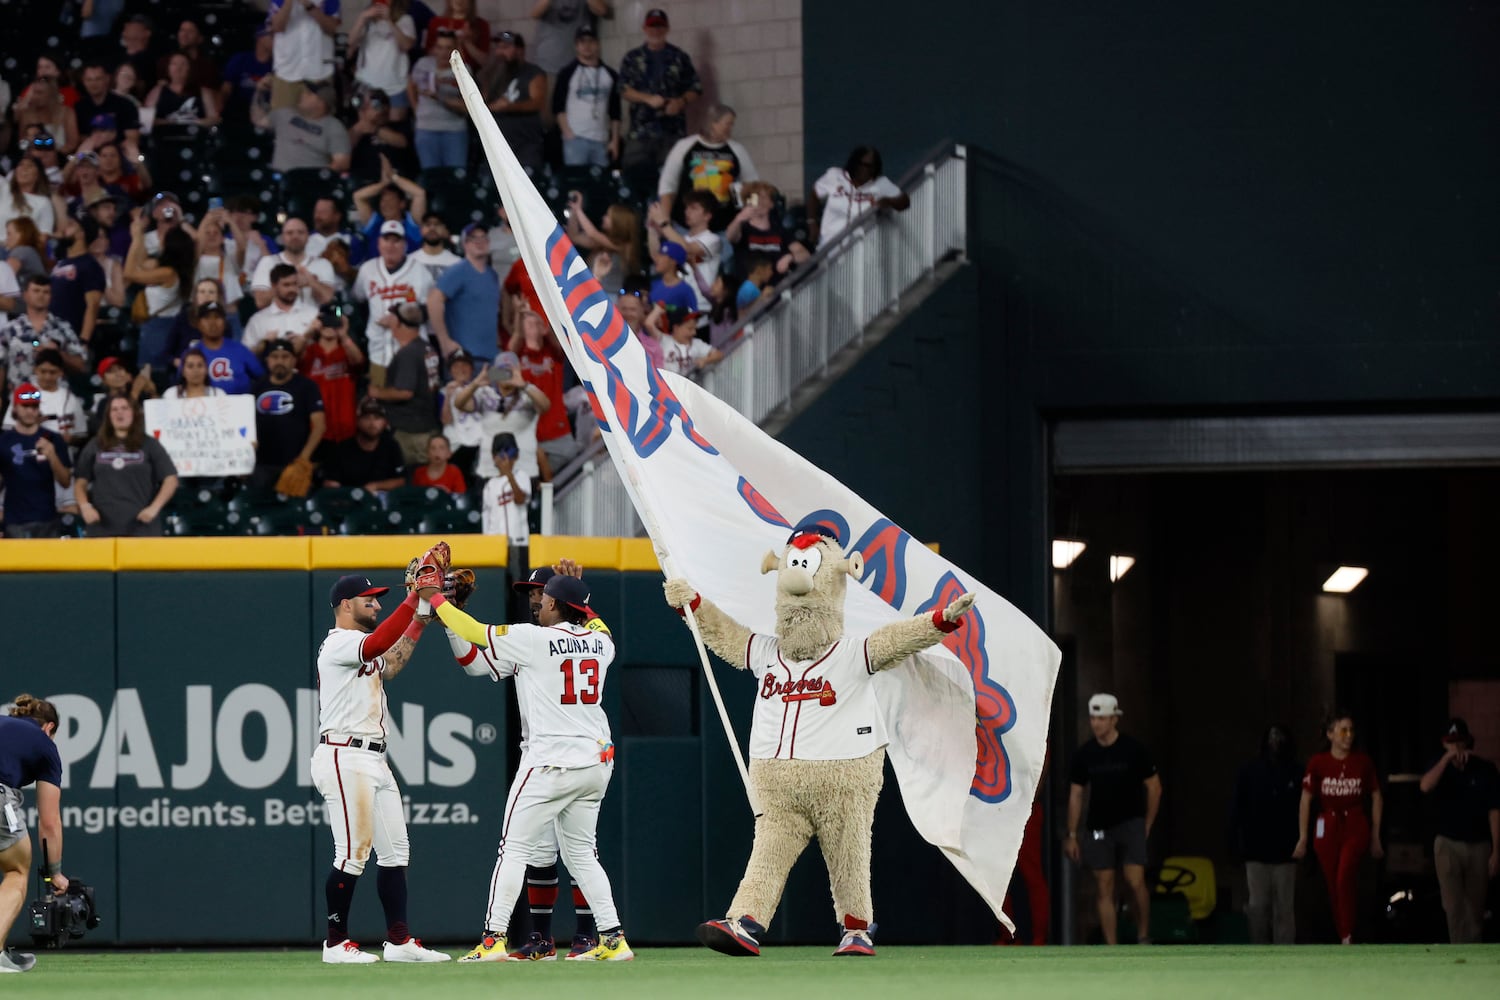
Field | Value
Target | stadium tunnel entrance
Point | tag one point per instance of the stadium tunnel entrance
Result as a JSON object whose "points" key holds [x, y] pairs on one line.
{"points": [[1189, 571]]}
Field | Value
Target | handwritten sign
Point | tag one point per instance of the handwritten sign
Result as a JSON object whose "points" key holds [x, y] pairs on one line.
{"points": [[207, 435]]}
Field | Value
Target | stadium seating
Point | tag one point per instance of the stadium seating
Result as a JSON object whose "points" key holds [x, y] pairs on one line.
{"points": [[300, 190], [415, 501], [447, 522]]}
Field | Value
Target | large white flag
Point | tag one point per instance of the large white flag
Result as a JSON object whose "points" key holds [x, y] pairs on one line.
{"points": [[967, 719]]}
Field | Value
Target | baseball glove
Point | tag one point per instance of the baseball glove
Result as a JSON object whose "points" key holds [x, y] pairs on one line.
{"points": [[459, 585], [296, 479], [432, 567]]}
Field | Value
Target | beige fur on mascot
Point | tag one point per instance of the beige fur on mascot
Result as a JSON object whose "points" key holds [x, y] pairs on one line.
{"points": [[817, 741]]}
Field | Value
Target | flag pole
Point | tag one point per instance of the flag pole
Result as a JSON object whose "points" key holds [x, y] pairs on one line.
{"points": [[498, 152]]}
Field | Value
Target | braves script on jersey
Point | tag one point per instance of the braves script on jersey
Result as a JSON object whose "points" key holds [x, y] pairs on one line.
{"points": [[559, 672], [1340, 784], [821, 709], [351, 697]]}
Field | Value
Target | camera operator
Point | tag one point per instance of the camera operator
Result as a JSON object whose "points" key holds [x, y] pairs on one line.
{"points": [[27, 754]]}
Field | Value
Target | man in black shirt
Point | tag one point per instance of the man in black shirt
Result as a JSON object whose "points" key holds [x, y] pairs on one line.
{"points": [[371, 458], [289, 419], [1124, 794], [99, 108], [1466, 789], [1263, 829]]}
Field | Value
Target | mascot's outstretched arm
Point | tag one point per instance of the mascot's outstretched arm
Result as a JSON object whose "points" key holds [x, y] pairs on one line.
{"points": [[721, 633], [890, 644]]}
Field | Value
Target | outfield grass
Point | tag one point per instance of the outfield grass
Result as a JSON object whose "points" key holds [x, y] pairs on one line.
{"points": [[1413, 971]]}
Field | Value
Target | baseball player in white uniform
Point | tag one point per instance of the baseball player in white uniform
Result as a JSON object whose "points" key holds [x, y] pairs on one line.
{"points": [[350, 770], [559, 666], [541, 867]]}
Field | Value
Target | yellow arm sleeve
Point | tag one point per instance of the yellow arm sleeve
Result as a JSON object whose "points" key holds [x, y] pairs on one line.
{"points": [[464, 625]]}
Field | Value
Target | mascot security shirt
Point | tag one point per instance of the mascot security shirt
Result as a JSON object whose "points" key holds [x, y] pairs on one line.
{"points": [[821, 709]]}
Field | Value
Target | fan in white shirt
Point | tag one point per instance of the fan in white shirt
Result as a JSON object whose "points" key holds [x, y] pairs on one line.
{"points": [[842, 195], [284, 317], [316, 281], [436, 253]]}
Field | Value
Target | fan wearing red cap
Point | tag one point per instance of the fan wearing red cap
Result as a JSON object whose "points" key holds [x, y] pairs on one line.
{"points": [[817, 739], [349, 766], [659, 81], [560, 666], [34, 461]]}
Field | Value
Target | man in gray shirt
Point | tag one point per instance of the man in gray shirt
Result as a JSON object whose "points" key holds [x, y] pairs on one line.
{"points": [[557, 24], [408, 391], [307, 135]]}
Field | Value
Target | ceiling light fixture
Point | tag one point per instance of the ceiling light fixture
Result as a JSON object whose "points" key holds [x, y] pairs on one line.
{"points": [[1064, 551], [1119, 566], [1345, 579]]}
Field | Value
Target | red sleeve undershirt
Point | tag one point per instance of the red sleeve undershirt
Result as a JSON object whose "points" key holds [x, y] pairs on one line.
{"points": [[387, 632]]}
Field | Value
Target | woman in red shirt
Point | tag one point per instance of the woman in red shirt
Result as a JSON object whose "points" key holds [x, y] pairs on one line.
{"points": [[1341, 778]]}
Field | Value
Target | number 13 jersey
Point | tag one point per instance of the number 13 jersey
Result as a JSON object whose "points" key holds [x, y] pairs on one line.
{"points": [[559, 672]]}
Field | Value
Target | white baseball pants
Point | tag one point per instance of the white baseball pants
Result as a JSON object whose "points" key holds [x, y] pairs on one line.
{"points": [[363, 805], [539, 798]]}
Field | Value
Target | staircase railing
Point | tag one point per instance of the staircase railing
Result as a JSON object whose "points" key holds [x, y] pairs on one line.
{"points": [[826, 307]]}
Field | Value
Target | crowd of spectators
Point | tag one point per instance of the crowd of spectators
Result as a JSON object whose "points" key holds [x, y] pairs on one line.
{"points": [[210, 200]]}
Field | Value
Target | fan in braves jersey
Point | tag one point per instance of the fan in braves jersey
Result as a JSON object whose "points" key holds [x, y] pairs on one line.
{"points": [[349, 767], [541, 869], [560, 665]]}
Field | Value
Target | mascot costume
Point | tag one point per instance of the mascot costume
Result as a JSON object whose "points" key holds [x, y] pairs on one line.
{"points": [[817, 742]]}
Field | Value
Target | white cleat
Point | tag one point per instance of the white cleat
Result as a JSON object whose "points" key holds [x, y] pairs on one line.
{"points": [[12, 960], [412, 951], [346, 952]]}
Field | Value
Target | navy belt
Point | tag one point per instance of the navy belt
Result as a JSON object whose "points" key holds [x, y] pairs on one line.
{"points": [[355, 742]]}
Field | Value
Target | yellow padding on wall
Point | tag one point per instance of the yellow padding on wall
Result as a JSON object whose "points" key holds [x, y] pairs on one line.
{"points": [[638, 554], [51, 555], [311, 552], [590, 553], [211, 553], [395, 551]]}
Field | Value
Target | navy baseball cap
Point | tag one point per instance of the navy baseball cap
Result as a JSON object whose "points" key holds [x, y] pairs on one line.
{"points": [[568, 590], [537, 579], [352, 586], [676, 251]]}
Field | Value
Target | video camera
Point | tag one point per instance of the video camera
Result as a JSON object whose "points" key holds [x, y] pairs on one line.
{"points": [[56, 920]]}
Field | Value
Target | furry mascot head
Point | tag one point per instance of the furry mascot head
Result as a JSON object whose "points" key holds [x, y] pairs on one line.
{"points": [[811, 579]]}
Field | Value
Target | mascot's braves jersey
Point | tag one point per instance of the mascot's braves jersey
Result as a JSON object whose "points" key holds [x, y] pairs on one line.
{"points": [[351, 697], [822, 709], [559, 672]]}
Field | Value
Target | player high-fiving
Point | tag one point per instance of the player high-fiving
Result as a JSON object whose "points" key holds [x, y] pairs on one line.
{"points": [[349, 766], [560, 666]]}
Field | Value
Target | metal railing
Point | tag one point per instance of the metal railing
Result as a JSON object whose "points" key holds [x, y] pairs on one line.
{"points": [[828, 306]]}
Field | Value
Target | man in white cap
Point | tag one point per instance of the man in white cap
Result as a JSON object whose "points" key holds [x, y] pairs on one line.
{"points": [[385, 281], [1124, 793]]}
